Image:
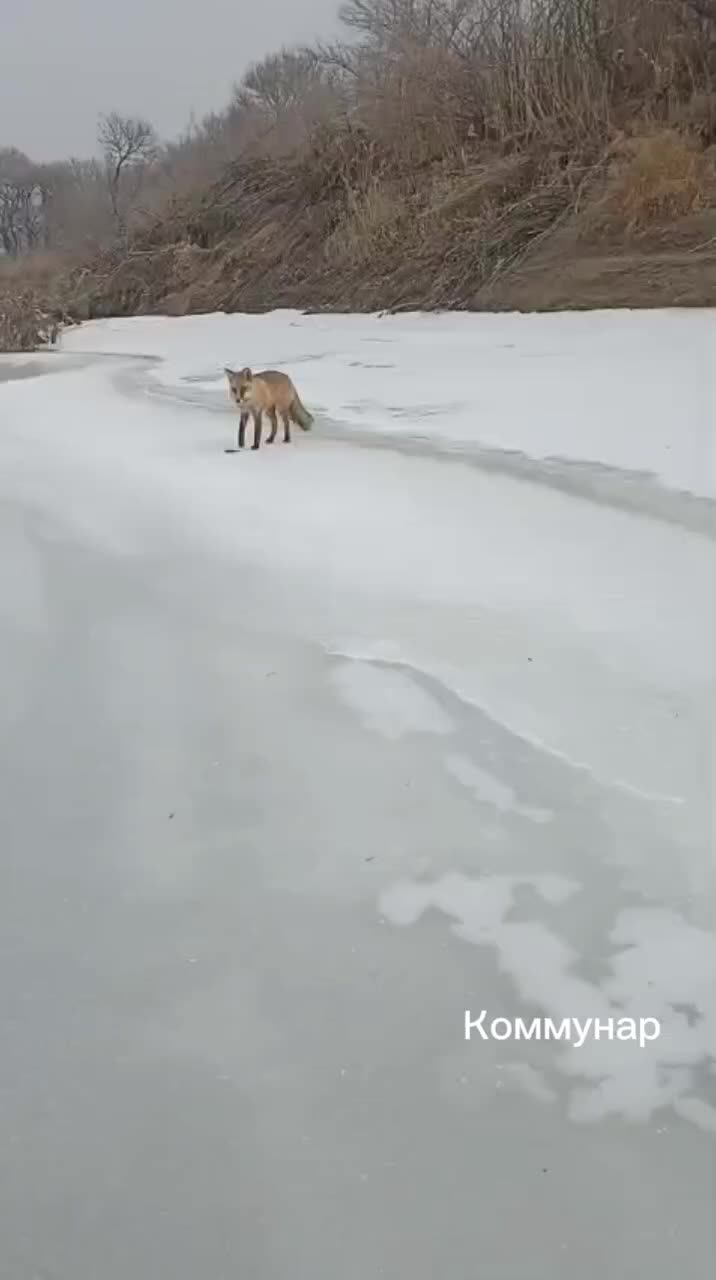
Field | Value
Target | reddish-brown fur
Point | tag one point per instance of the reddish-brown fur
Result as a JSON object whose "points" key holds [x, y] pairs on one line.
{"points": [[267, 392]]}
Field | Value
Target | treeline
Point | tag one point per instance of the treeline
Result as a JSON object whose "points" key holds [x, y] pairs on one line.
{"points": [[533, 93]]}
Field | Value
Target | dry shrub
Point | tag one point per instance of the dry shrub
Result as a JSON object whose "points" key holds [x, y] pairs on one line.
{"points": [[500, 180], [696, 115], [31, 310], [416, 105], [653, 178], [33, 270], [428, 159], [24, 322], [374, 220], [559, 74]]}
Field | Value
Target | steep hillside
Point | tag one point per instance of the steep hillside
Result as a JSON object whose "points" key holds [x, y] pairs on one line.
{"points": [[341, 229], [457, 154]]}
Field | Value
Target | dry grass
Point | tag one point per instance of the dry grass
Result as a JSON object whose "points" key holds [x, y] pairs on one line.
{"points": [[33, 270], [32, 299], [448, 167], [654, 178], [25, 324], [374, 221], [447, 238]]}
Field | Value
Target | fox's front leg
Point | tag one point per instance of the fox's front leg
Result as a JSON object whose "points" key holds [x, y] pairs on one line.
{"points": [[274, 426], [286, 429], [242, 429], [257, 429]]}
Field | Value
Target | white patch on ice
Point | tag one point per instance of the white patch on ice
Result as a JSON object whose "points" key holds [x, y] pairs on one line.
{"points": [[473, 688], [697, 1112], [388, 702], [491, 790], [488, 900], [620, 1077], [529, 1080]]}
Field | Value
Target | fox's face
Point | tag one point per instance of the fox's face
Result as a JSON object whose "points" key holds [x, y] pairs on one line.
{"points": [[239, 385]]}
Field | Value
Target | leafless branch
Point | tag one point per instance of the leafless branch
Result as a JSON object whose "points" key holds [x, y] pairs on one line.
{"points": [[128, 143]]}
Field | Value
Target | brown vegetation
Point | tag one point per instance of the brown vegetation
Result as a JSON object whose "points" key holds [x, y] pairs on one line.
{"points": [[25, 324], [453, 153]]}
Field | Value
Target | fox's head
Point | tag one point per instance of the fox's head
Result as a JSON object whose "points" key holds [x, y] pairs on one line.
{"points": [[239, 384]]}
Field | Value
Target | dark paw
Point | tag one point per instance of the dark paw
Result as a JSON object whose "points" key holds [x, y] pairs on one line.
{"points": [[255, 446]]}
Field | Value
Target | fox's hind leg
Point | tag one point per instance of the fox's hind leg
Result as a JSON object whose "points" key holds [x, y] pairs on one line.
{"points": [[274, 426], [242, 429], [257, 429], [286, 428]]}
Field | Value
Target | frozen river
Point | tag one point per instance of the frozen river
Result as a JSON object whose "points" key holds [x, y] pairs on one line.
{"points": [[308, 752]]}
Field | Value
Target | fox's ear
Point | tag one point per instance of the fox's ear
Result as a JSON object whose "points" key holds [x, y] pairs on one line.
{"points": [[229, 373], [245, 373]]}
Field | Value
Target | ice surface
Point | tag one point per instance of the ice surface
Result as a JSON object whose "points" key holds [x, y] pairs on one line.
{"points": [[309, 750], [389, 701], [584, 630], [666, 963], [630, 390]]}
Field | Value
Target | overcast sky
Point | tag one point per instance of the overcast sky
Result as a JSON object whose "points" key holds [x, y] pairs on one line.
{"points": [[62, 62]]}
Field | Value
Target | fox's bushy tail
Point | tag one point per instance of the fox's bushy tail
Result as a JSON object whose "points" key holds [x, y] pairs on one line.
{"points": [[300, 414]]}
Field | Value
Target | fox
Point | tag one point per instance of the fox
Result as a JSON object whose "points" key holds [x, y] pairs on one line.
{"points": [[268, 392]]}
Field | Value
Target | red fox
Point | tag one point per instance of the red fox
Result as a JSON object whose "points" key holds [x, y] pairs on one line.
{"points": [[266, 392]]}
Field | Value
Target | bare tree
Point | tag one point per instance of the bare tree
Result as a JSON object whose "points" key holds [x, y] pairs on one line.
{"points": [[283, 81], [77, 210], [23, 202], [442, 24], [129, 144]]}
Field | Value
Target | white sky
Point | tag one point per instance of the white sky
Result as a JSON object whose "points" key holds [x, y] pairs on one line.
{"points": [[62, 62]]}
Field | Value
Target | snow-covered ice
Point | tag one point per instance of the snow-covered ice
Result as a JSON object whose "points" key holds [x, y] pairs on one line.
{"points": [[414, 716], [630, 390]]}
